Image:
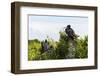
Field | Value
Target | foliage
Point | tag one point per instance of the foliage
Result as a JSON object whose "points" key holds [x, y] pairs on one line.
{"points": [[82, 48], [34, 52], [58, 49]]}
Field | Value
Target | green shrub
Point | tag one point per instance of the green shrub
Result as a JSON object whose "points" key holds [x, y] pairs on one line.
{"points": [[59, 48]]}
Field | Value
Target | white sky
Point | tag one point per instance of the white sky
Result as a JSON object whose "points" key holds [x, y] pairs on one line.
{"points": [[42, 26]]}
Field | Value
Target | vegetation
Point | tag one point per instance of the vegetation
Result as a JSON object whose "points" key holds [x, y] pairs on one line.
{"points": [[57, 50]]}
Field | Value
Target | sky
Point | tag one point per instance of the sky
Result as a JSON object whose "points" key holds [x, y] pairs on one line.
{"points": [[41, 26]]}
